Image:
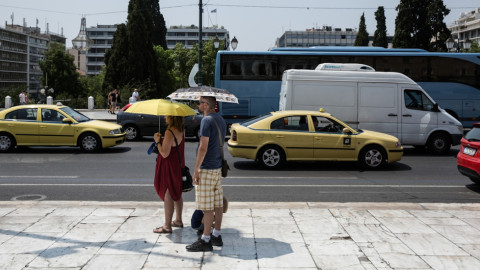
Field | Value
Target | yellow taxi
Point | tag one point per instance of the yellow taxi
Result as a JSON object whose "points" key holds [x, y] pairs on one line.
{"points": [[52, 125], [277, 137]]}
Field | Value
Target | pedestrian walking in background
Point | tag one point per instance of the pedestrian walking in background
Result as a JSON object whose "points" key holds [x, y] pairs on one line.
{"points": [[112, 97], [168, 177], [135, 95], [21, 97], [207, 175]]}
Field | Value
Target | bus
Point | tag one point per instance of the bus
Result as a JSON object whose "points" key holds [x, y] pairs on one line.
{"points": [[451, 79]]}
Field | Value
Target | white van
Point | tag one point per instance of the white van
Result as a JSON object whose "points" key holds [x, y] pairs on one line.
{"points": [[387, 102]]}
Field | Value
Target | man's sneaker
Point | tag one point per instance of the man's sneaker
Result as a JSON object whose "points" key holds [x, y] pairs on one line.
{"points": [[216, 241], [200, 245]]}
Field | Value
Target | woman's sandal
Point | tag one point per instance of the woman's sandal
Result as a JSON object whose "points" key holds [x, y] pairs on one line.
{"points": [[175, 224], [161, 230]]}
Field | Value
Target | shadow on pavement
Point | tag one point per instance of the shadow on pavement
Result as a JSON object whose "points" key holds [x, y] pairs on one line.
{"points": [[317, 166], [67, 150]]}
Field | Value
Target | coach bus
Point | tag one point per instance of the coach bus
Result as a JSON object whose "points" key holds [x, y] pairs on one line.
{"points": [[451, 79]]}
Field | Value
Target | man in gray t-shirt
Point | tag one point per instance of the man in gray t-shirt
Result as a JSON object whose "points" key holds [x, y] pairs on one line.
{"points": [[207, 175]]}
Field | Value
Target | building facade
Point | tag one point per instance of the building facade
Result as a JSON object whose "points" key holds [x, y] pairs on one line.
{"points": [[188, 36], [326, 36], [102, 36], [467, 26], [21, 49]]}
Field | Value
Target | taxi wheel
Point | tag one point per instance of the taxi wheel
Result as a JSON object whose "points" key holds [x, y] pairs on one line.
{"points": [[271, 157], [90, 143], [133, 133], [372, 157], [7, 142]]}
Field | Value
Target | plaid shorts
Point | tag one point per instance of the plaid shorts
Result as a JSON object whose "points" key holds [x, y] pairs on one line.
{"points": [[209, 192]]}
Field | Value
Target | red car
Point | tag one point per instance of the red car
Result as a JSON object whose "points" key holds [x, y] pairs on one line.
{"points": [[468, 159]]}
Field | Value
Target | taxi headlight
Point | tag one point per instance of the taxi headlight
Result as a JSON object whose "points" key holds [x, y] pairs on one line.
{"points": [[115, 131], [398, 145]]}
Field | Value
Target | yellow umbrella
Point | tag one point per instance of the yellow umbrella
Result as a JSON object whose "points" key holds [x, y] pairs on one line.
{"points": [[160, 107]]}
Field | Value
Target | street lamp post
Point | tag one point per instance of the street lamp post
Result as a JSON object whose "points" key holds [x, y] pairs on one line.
{"points": [[455, 44], [234, 43], [200, 11]]}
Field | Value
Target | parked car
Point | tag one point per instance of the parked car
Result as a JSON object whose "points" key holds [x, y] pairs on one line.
{"points": [[277, 137], [52, 125], [138, 125], [468, 158]]}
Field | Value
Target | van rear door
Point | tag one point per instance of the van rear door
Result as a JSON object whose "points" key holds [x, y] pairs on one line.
{"points": [[378, 108]]}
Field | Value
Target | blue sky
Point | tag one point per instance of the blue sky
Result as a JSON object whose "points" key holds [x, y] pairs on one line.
{"points": [[255, 23]]}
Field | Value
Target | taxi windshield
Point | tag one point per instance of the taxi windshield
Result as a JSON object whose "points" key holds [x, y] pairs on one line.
{"points": [[75, 115]]}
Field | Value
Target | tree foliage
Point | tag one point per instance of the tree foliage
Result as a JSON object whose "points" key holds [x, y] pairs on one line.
{"points": [[59, 69], [362, 35], [380, 35], [418, 22], [131, 61]]}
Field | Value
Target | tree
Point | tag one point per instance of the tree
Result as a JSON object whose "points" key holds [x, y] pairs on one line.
{"points": [[59, 67], [166, 69], [116, 61], [475, 48], [380, 35], [159, 26], [131, 61], [420, 21], [362, 35]]}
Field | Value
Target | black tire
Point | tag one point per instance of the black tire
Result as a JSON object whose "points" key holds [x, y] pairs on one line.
{"points": [[133, 133], [7, 143], [439, 143], [90, 143], [475, 180], [372, 157], [271, 157]]}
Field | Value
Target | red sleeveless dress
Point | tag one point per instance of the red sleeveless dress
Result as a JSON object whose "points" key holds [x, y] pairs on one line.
{"points": [[168, 174]]}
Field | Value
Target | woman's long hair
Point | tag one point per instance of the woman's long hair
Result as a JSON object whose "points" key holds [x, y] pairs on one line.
{"points": [[176, 122]]}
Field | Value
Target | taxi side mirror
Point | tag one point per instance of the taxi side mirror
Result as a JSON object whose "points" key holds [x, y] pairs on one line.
{"points": [[346, 131], [66, 121]]}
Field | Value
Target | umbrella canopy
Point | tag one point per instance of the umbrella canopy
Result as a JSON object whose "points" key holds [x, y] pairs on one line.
{"points": [[160, 107], [194, 93]]}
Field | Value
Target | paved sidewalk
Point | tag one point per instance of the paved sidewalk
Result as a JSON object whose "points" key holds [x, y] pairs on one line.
{"points": [[99, 114], [118, 235]]}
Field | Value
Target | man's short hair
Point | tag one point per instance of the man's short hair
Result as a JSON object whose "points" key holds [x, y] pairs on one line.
{"points": [[211, 101]]}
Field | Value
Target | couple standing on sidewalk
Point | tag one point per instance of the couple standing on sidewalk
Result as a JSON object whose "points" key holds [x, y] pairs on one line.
{"points": [[206, 174]]}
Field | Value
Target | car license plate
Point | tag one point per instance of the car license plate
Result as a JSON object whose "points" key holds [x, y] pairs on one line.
{"points": [[469, 151]]}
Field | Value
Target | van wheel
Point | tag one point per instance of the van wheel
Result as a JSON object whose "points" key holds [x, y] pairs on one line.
{"points": [[438, 143], [372, 157], [271, 157], [7, 143], [90, 143], [132, 132]]}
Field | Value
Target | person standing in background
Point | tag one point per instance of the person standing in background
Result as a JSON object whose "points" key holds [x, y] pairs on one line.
{"points": [[135, 95], [22, 98]]}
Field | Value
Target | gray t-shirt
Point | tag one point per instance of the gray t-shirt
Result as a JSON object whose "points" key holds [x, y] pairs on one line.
{"points": [[213, 157]]}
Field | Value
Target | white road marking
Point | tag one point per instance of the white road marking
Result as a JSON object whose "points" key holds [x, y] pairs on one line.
{"points": [[39, 176]]}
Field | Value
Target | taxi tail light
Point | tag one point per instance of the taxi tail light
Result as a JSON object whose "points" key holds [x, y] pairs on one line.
{"points": [[234, 136]]}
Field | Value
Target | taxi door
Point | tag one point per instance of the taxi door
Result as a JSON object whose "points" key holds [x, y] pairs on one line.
{"points": [[23, 124], [291, 132], [52, 131], [329, 142]]}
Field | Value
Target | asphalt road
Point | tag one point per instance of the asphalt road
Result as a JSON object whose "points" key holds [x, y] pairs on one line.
{"points": [[125, 173]]}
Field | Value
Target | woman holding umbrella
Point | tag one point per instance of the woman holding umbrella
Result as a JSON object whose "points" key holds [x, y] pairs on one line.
{"points": [[168, 178]]}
